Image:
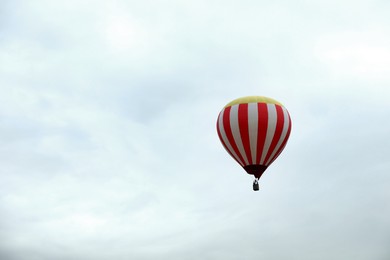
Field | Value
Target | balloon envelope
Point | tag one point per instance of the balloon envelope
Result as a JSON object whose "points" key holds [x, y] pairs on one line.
{"points": [[254, 130]]}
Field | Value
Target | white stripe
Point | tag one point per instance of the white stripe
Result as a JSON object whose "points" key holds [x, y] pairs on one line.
{"points": [[253, 128], [228, 147], [286, 124], [234, 125], [270, 130], [276, 156]]}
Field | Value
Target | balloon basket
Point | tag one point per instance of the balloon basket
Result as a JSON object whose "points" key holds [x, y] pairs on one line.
{"points": [[255, 185]]}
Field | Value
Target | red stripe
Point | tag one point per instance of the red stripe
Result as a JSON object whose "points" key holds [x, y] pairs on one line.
{"points": [[284, 141], [244, 130], [229, 135], [261, 129], [278, 131], [220, 136]]}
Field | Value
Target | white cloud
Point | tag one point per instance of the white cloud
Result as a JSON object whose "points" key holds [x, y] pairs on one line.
{"points": [[108, 147], [364, 55]]}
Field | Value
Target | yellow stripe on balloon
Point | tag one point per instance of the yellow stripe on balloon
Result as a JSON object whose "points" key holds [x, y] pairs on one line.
{"points": [[253, 99]]}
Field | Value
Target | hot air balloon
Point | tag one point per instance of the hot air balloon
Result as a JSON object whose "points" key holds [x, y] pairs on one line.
{"points": [[254, 130]]}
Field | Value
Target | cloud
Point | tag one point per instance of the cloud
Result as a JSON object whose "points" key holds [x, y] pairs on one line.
{"points": [[362, 55], [107, 131]]}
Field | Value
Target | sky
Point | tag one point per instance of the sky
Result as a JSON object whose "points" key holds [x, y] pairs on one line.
{"points": [[108, 144]]}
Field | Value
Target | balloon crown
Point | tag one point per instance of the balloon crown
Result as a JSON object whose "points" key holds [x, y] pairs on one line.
{"points": [[253, 99]]}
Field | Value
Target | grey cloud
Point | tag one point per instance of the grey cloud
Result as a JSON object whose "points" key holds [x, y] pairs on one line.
{"points": [[108, 143]]}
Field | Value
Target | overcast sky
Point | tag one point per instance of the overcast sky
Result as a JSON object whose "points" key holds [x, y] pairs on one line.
{"points": [[108, 146]]}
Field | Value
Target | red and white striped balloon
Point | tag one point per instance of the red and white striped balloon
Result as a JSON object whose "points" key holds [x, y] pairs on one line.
{"points": [[254, 130]]}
